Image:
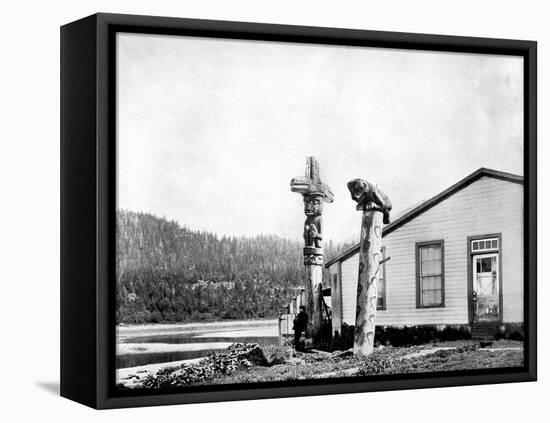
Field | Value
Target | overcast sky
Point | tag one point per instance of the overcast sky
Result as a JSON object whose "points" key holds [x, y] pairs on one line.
{"points": [[210, 131]]}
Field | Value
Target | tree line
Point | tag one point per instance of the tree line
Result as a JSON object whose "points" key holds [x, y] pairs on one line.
{"points": [[166, 272]]}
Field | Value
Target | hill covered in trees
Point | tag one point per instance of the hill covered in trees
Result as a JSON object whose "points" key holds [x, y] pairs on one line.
{"points": [[168, 273]]}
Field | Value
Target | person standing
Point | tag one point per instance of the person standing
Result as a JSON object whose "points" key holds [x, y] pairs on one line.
{"points": [[300, 325]]}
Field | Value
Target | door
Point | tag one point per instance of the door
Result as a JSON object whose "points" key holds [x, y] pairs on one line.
{"points": [[485, 294]]}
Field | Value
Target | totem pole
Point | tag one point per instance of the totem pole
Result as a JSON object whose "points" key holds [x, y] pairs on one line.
{"points": [[314, 193], [376, 207]]}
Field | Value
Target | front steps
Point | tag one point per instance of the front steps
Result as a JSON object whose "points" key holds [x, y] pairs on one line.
{"points": [[484, 332]]}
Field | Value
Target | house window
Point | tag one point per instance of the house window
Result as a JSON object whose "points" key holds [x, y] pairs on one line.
{"points": [[483, 245], [381, 304], [430, 291]]}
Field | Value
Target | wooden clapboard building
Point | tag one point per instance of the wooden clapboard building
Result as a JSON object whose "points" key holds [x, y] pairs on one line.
{"points": [[456, 259]]}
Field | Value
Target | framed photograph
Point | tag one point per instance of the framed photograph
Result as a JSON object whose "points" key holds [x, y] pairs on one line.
{"points": [[259, 211]]}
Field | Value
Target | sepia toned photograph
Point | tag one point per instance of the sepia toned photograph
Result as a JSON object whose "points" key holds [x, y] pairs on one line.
{"points": [[294, 212]]}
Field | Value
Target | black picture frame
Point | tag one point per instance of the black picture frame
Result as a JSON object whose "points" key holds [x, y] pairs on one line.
{"points": [[88, 206]]}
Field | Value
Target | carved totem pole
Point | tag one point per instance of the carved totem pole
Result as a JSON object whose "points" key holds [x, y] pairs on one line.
{"points": [[314, 193], [376, 207]]}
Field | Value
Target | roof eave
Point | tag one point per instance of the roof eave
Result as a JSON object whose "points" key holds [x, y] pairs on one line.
{"points": [[428, 204]]}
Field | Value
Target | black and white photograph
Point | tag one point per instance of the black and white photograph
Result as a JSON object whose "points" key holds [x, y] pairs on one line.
{"points": [[289, 212], [279, 211]]}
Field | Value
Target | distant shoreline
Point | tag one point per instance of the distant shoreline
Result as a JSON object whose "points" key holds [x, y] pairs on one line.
{"points": [[226, 322], [133, 330]]}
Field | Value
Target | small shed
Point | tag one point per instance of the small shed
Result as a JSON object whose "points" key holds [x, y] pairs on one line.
{"points": [[288, 313]]}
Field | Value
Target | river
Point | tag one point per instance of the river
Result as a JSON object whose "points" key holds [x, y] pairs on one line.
{"points": [[141, 345]]}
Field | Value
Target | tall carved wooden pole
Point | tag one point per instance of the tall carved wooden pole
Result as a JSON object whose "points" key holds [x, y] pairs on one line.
{"points": [[376, 207], [314, 193]]}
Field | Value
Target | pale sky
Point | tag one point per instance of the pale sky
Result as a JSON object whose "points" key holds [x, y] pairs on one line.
{"points": [[210, 131]]}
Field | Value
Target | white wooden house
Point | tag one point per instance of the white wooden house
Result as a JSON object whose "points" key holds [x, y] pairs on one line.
{"points": [[456, 259]]}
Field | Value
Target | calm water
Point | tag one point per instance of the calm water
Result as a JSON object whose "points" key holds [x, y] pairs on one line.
{"points": [[153, 345]]}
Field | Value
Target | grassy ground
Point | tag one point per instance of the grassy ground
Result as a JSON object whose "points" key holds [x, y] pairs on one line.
{"points": [[274, 363], [457, 355], [501, 343]]}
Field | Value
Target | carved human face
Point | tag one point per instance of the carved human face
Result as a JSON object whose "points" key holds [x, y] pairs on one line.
{"points": [[313, 205]]}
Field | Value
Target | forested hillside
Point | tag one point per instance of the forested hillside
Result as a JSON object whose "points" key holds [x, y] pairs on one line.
{"points": [[167, 273]]}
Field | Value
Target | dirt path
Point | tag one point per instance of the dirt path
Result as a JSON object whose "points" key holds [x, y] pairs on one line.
{"points": [[352, 371]]}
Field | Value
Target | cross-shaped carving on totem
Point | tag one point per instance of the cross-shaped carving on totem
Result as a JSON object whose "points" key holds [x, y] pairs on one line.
{"points": [[314, 193]]}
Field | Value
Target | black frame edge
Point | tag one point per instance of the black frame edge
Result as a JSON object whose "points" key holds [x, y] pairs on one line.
{"points": [[78, 212], [314, 34], [93, 385], [530, 201]]}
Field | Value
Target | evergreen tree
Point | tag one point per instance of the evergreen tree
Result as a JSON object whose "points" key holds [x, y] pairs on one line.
{"points": [[168, 273]]}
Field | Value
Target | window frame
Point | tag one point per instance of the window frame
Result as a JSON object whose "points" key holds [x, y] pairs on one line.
{"points": [[418, 246], [385, 279], [484, 250], [471, 255]]}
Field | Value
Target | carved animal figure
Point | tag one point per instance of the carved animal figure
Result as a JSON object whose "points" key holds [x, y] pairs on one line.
{"points": [[369, 197]]}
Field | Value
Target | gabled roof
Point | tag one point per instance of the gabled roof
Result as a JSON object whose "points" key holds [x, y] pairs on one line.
{"points": [[428, 204]]}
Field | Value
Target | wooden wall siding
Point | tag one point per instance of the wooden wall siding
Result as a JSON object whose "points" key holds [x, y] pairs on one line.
{"points": [[350, 274], [336, 298], [488, 205]]}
